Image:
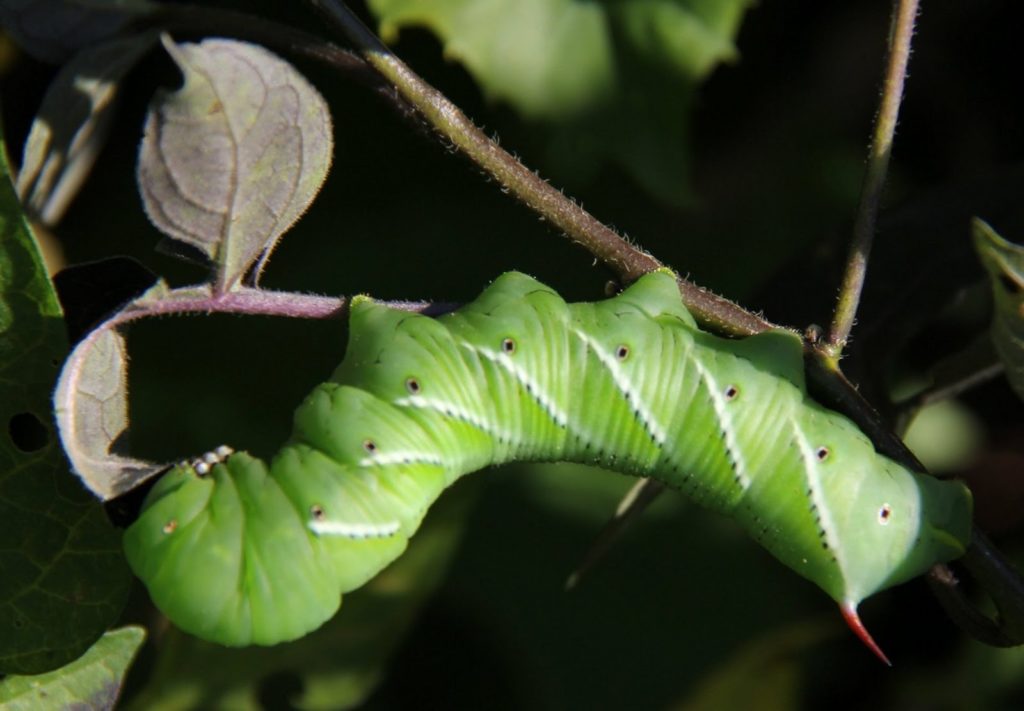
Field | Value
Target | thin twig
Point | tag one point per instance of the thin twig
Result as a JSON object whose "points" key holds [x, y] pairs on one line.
{"points": [[627, 260], [904, 14], [201, 299], [1002, 581]]}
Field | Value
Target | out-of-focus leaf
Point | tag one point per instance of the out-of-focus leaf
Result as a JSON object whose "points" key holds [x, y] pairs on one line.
{"points": [[614, 81], [63, 579], [93, 681], [900, 306], [72, 125], [335, 667], [945, 436], [53, 30], [1004, 262], [234, 157], [764, 674]]}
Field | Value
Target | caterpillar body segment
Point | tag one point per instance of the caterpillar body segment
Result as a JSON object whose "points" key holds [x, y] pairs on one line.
{"points": [[255, 554]]}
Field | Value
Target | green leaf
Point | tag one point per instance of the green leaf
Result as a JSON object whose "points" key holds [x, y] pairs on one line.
{"points": [[63, 580], [946, 436], [93, 681], [234, 157], [1004, 262], [612, 81]]}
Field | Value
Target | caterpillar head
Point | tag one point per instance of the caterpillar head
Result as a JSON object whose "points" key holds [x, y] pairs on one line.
{"points": [[902, 524]]}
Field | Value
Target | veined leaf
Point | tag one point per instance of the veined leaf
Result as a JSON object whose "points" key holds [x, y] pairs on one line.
{"points": [[234, 157], [91, 403], [63, 580], [93, 681]]}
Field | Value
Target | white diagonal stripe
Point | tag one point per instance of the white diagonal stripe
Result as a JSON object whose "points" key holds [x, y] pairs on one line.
{"points": [[622, 382], [354, 530], [812, 471], [728, 427], [380, 459], [519, 373], [452, 410]]}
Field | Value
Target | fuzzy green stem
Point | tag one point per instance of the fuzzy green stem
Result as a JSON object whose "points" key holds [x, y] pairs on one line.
{"points": [[904, 14]]}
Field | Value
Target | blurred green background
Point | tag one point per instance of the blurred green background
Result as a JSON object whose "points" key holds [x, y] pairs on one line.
{"points": [[684, 612]]}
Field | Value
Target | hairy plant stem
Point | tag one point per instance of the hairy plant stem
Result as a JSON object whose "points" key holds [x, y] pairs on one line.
{"points": [[202, 299], [627, 260], [901, 33]]}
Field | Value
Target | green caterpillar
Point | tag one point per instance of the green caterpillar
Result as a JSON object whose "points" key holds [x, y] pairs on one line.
{"points": [[241, 553], [1004, 262]]}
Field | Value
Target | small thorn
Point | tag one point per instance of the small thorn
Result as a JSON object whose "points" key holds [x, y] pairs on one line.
{"points": [[853, 620]]}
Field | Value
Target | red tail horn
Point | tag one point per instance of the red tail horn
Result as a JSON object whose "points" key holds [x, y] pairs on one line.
{"points": [[853, 620]]}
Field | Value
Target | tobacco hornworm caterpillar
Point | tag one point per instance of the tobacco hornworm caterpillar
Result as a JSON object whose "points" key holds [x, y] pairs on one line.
{"points": [[250, 553], [1004, 262]]}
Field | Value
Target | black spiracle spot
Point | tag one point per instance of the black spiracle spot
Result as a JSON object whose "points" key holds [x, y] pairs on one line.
{"points": [[622, 352], [508, 346], [413, 386], [370, 446], [317, 512], [885, 514], [731, 392], [822, 453]]}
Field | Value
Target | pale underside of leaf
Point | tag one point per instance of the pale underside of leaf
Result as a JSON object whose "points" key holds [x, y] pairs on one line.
{"points": [[234, 157], [91, 405]]}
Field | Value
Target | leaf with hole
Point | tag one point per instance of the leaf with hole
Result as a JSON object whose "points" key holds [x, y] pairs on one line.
{"points": [[64, 579]]}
